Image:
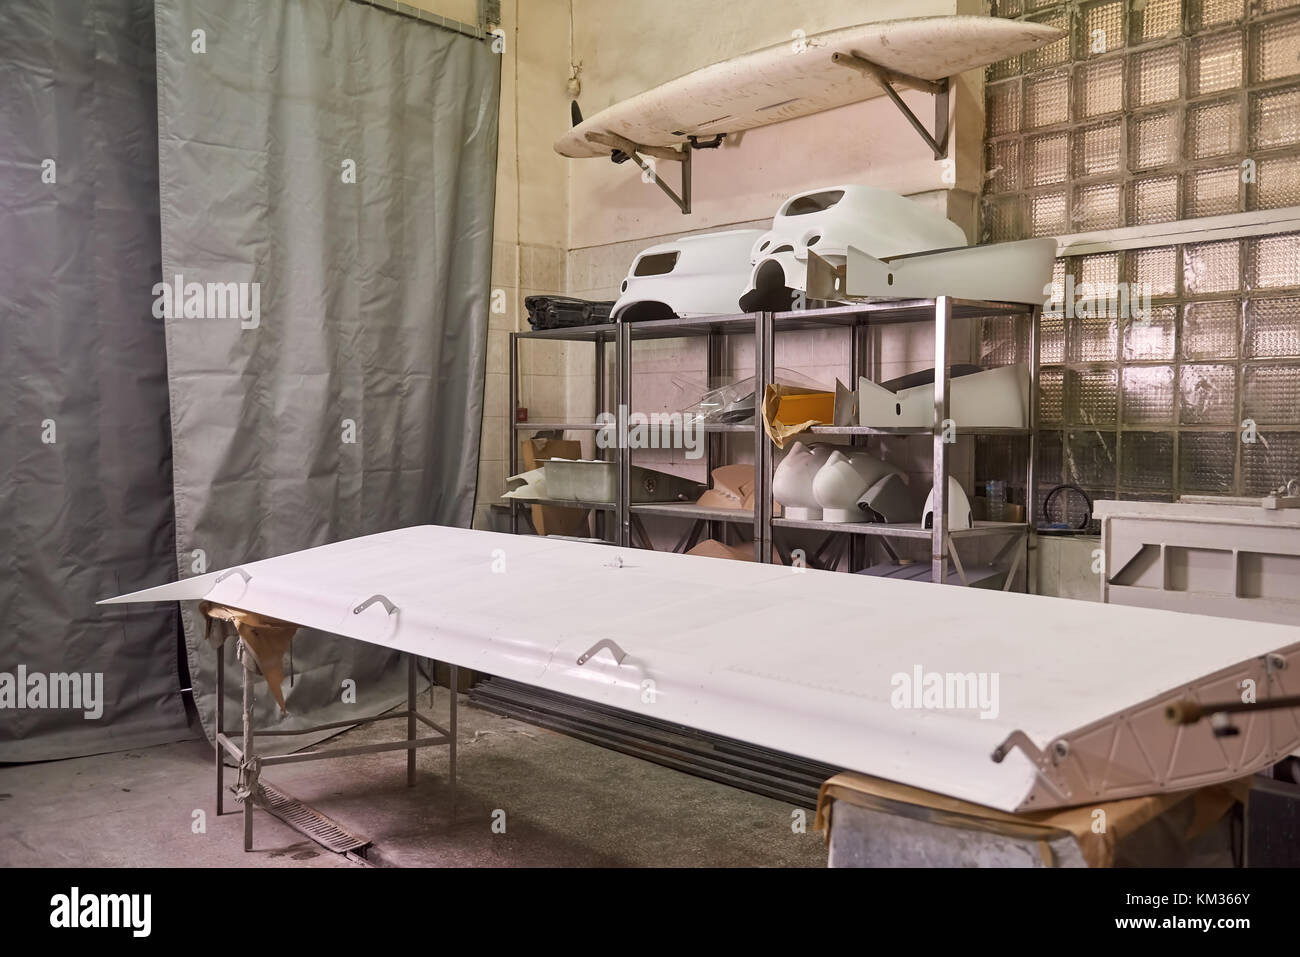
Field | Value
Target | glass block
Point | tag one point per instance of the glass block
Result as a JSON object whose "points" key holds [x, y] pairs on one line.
{"points": [[1051, 338], [1046, 159], [1100, 269], [1211, 267], [1051, 396], [1154, 76], [1270, 394], [1090, 458], [1096, 206], [1092, 338], [1101, 28], [1098, 88], [1147, 460], [1153, 200], [1003, 69], [1003, 219], [1091, 397], [1207, 395], [1212, 192], [1207, 462], [1002, 102], [1155, 19], [1213, 129], [1153, 140], [1272, 328], [1214, 63], [1211, 329], [1148, 395], [1097, 149], [1212, 13], [1270, 461], [1003, 341], [1047, 100], [1056, 52], [1154, 338], [1275, 50], [1277, 183], [1051, 460], [1275, 118], [1047, 214], [1058, 283], [1273, 262], [1155, 269], [1004, 166]]}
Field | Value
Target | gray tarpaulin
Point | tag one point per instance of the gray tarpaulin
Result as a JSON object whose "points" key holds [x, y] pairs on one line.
{"points": [[338, 163], [85, 476]]}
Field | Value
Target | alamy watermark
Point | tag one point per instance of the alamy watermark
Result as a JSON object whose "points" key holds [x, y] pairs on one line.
{"points": [[1096, 300], [654, 430], [59, 690], [209, 300], [946, 691]]}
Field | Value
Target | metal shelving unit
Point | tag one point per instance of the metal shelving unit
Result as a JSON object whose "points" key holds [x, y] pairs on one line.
{"points": [[860, 320]]}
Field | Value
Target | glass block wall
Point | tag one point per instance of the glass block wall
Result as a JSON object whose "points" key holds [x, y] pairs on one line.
{"points": [[1154, 111]]}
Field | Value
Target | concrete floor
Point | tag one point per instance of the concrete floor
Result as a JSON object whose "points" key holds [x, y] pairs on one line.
{"points": [[566, 804]]}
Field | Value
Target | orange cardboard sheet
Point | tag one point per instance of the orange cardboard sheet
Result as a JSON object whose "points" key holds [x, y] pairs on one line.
{"points": [[1122, 817], [267, 638], [788, 410]]}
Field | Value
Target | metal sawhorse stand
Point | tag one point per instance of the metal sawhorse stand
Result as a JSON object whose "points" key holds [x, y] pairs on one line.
{"points": [[250, 790]]}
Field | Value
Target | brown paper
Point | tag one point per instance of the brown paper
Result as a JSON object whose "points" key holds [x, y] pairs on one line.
{"points": [[1123, 817], [552, 519], [267, 638], [779, 431]]}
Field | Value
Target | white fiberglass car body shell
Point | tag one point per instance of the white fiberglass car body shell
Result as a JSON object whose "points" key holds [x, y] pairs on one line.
{"points": [[829, 221], [693, 276]]}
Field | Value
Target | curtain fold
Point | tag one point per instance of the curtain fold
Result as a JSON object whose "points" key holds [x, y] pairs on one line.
{"points": [[330, 169], [85, 458]]}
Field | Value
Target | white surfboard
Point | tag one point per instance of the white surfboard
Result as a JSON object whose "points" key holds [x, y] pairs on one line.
{"points": [[799, 78]]}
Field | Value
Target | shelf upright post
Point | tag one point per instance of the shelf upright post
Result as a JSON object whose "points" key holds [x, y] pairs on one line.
{"points": [[623, 455], [1031, 468], [939, 538], [511, 431], [857, 362], [764, 373], [600, 405], [713, 365]]}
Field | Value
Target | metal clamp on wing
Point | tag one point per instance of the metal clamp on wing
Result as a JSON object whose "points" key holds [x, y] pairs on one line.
{"points": [[608, 644]]}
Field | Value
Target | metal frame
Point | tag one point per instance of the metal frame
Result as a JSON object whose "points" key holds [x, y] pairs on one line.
{"points": [[862, 320], [251, 763]]}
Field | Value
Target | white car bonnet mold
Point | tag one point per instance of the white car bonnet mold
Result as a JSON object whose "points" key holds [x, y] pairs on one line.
{"points": [[829, 221], [693, 276]]}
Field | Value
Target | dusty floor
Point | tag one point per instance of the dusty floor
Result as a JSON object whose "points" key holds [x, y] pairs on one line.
{"points": [[565, 803]]}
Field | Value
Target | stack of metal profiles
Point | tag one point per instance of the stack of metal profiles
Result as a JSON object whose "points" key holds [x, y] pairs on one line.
{"points": [[772, 774]]}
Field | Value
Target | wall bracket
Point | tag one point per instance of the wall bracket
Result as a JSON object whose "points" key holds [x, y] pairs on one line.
{"points": [[938, 142]]}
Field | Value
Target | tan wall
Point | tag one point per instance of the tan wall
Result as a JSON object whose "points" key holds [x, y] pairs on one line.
{"points": [[531, 222]]}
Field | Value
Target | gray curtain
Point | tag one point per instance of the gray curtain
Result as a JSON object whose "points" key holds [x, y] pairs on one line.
{"points": [[340, 159], [85, 473]]}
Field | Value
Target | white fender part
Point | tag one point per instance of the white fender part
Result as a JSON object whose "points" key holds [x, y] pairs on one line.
{"points": [[995, 398], [1000, 272], [792, 482], [959, 511], [844, 481], [890, 499]]}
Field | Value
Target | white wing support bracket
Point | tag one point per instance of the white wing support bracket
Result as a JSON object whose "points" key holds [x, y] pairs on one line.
{"points": [[938, 141]]}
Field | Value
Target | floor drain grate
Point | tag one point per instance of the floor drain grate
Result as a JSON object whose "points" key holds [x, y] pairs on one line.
{"points": [[308, 821]]}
